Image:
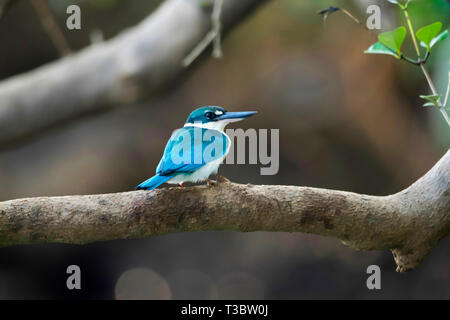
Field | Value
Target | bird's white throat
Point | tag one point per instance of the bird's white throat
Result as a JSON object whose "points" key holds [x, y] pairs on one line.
{"points": [[213, 125]]}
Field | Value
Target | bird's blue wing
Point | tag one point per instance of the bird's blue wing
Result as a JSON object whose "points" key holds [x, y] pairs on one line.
{"points": [[190, 148]]}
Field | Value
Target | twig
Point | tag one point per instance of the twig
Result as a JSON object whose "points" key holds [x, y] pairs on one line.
{"points": [[53, 30], [411, 30], [446, 93], [422, 65], [213, 35], [420, 62], [353, 18], [405, 58], [217, 25], [325, 13], [330, 10], [201, 46]]}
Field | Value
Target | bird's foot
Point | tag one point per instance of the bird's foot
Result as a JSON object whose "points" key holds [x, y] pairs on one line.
{"points": [[181, 184], [210, 182]]}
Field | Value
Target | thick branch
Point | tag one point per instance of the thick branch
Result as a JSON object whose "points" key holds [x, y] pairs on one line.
{"points": [[410, 222], [103, 76]]}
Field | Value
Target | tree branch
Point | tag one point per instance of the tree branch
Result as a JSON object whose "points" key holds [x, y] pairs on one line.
{"points": [[125, 69], [410, 223]]}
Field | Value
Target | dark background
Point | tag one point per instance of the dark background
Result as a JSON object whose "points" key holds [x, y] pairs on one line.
{"points": [[347, 121]]}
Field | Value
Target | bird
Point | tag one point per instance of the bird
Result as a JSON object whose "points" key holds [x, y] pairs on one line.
{"points": [[195, 151]]}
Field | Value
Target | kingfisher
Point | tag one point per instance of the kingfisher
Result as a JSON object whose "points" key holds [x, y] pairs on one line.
{"points": [[195, 151]]}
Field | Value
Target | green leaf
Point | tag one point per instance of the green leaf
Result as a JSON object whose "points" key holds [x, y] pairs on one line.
{"points": [[393, 39], [431, 97], [433, 100], [441, 36], [378, 48], [428, 33]]}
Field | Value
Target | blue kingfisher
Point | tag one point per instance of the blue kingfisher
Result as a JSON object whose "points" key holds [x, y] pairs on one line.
{"points": [[195, 151]]}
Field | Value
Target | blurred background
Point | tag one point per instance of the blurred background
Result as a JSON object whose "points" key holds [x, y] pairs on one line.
{"points": [[347, 121]]}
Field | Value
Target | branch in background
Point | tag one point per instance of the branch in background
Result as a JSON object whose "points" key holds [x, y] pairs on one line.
{"points": [[125, 69], [217, 25], [410, 223], [52, 28], [212, 36]]}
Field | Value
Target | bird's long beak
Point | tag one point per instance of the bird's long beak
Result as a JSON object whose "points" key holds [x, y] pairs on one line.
{"points": [[236, 116]]}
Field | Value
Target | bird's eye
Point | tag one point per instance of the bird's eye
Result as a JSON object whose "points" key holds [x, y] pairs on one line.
{"points": [[210, 115]]}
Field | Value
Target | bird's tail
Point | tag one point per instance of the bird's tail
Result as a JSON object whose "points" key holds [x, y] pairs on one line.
{"points": [[153, 182]]}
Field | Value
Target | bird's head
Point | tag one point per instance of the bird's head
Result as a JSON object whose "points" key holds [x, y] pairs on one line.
{"points": [[215, 117]]}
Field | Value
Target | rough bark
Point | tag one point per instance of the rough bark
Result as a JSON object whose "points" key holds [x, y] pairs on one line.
{"points": [[122, 70], [410, 223]]}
